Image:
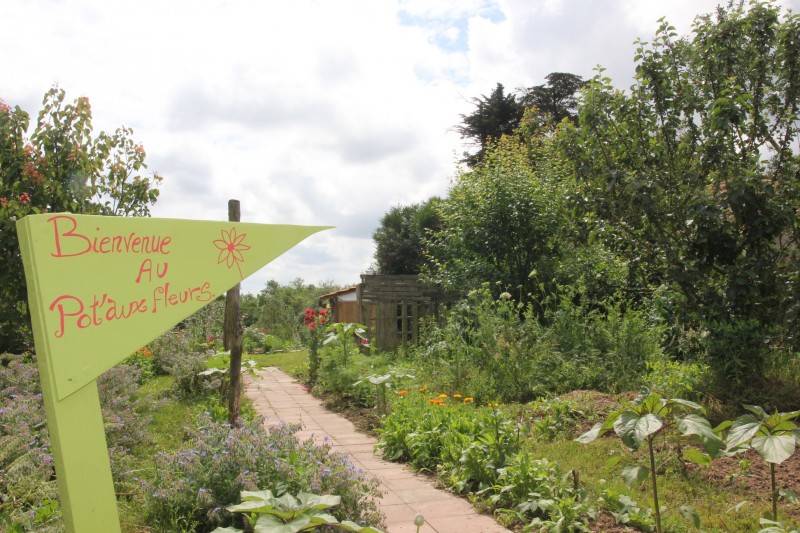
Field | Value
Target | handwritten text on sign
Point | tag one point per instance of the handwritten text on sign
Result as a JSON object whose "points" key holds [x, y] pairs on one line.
{"points": [[74, 312]]}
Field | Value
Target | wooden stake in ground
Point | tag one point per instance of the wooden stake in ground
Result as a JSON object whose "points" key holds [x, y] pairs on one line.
{"points": [[232, 337]]}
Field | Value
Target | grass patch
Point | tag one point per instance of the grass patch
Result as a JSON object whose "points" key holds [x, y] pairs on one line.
{"points": [[289, 362]]}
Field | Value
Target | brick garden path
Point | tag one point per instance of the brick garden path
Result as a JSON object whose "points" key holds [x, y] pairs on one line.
{"points": [[276, 396]]}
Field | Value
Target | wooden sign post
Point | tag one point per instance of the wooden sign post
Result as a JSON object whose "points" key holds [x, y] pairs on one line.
{"points": [[99, 288]]}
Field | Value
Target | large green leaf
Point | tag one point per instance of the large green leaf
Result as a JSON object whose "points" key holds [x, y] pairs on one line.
{"points": [[318, 501], [323, 519], [742, 431], [774, 448], [271, 524], [592, 434], [790, 415], [634, 429], [693, 424], [252, 506], [690, 513], [633, 474], [686, 403], [352, 526], [697, 457], [756, 410]]}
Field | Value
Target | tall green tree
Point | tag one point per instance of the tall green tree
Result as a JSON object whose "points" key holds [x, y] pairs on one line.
{"points": [[504, 221], [400, 237], [62, 166], [693, 175], [556, 99], [494, 116]]}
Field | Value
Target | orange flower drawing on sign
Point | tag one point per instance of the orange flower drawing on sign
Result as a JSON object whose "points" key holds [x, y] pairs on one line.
{"points": [[230, 248]]}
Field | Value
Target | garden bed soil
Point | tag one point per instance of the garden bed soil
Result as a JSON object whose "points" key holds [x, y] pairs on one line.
{"points": [[753, 481]]}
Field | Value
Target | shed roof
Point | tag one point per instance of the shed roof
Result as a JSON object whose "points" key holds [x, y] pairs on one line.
{"points": [[340, 292]]}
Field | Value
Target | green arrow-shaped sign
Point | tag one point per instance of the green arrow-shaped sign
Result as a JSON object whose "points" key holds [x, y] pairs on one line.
{"points": [[98, 289]]}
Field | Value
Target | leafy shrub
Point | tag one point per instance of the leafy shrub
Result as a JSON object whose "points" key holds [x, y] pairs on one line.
{"points": [[497, 350], [174, 355], [676, 379], [479, 451], [27, 472], [125, 426], [289, 514], [172, 345], [257, 340], [191, 487], [26, 466]]}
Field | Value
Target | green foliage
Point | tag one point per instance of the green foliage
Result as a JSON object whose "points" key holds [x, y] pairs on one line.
{"points": [[500, 222], [195, 483], [314, 321], [480, 451], [556, 99], [61, 167], [773, 436], [676, 379], [625, 510], [383, 384], [257, 340], [401, 235], [278, 308], [690, 176], [495, 115], [499, 350], [343, 341], [290, 514], [27, 471], [640, 422]]}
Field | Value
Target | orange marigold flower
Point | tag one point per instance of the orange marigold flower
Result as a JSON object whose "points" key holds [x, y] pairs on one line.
{"points": [[456, 396], [443, 396], [402, 392], [423, 389], [468, 400]]}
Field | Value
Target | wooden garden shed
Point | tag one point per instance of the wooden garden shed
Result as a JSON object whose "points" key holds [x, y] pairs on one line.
{"points": [[343, 305], [390, 306]]}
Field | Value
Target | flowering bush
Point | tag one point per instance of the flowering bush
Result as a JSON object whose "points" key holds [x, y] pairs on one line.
{"points": [[193, 486], [175, 354], [27, 474], [143, 360], [314, 322]]}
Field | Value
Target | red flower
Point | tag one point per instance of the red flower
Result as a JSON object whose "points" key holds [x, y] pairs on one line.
{"points": [[24, 198], [4, 201]]}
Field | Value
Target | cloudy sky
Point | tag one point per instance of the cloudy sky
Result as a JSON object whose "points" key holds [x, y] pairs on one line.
{"points": [[309, 111]]}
